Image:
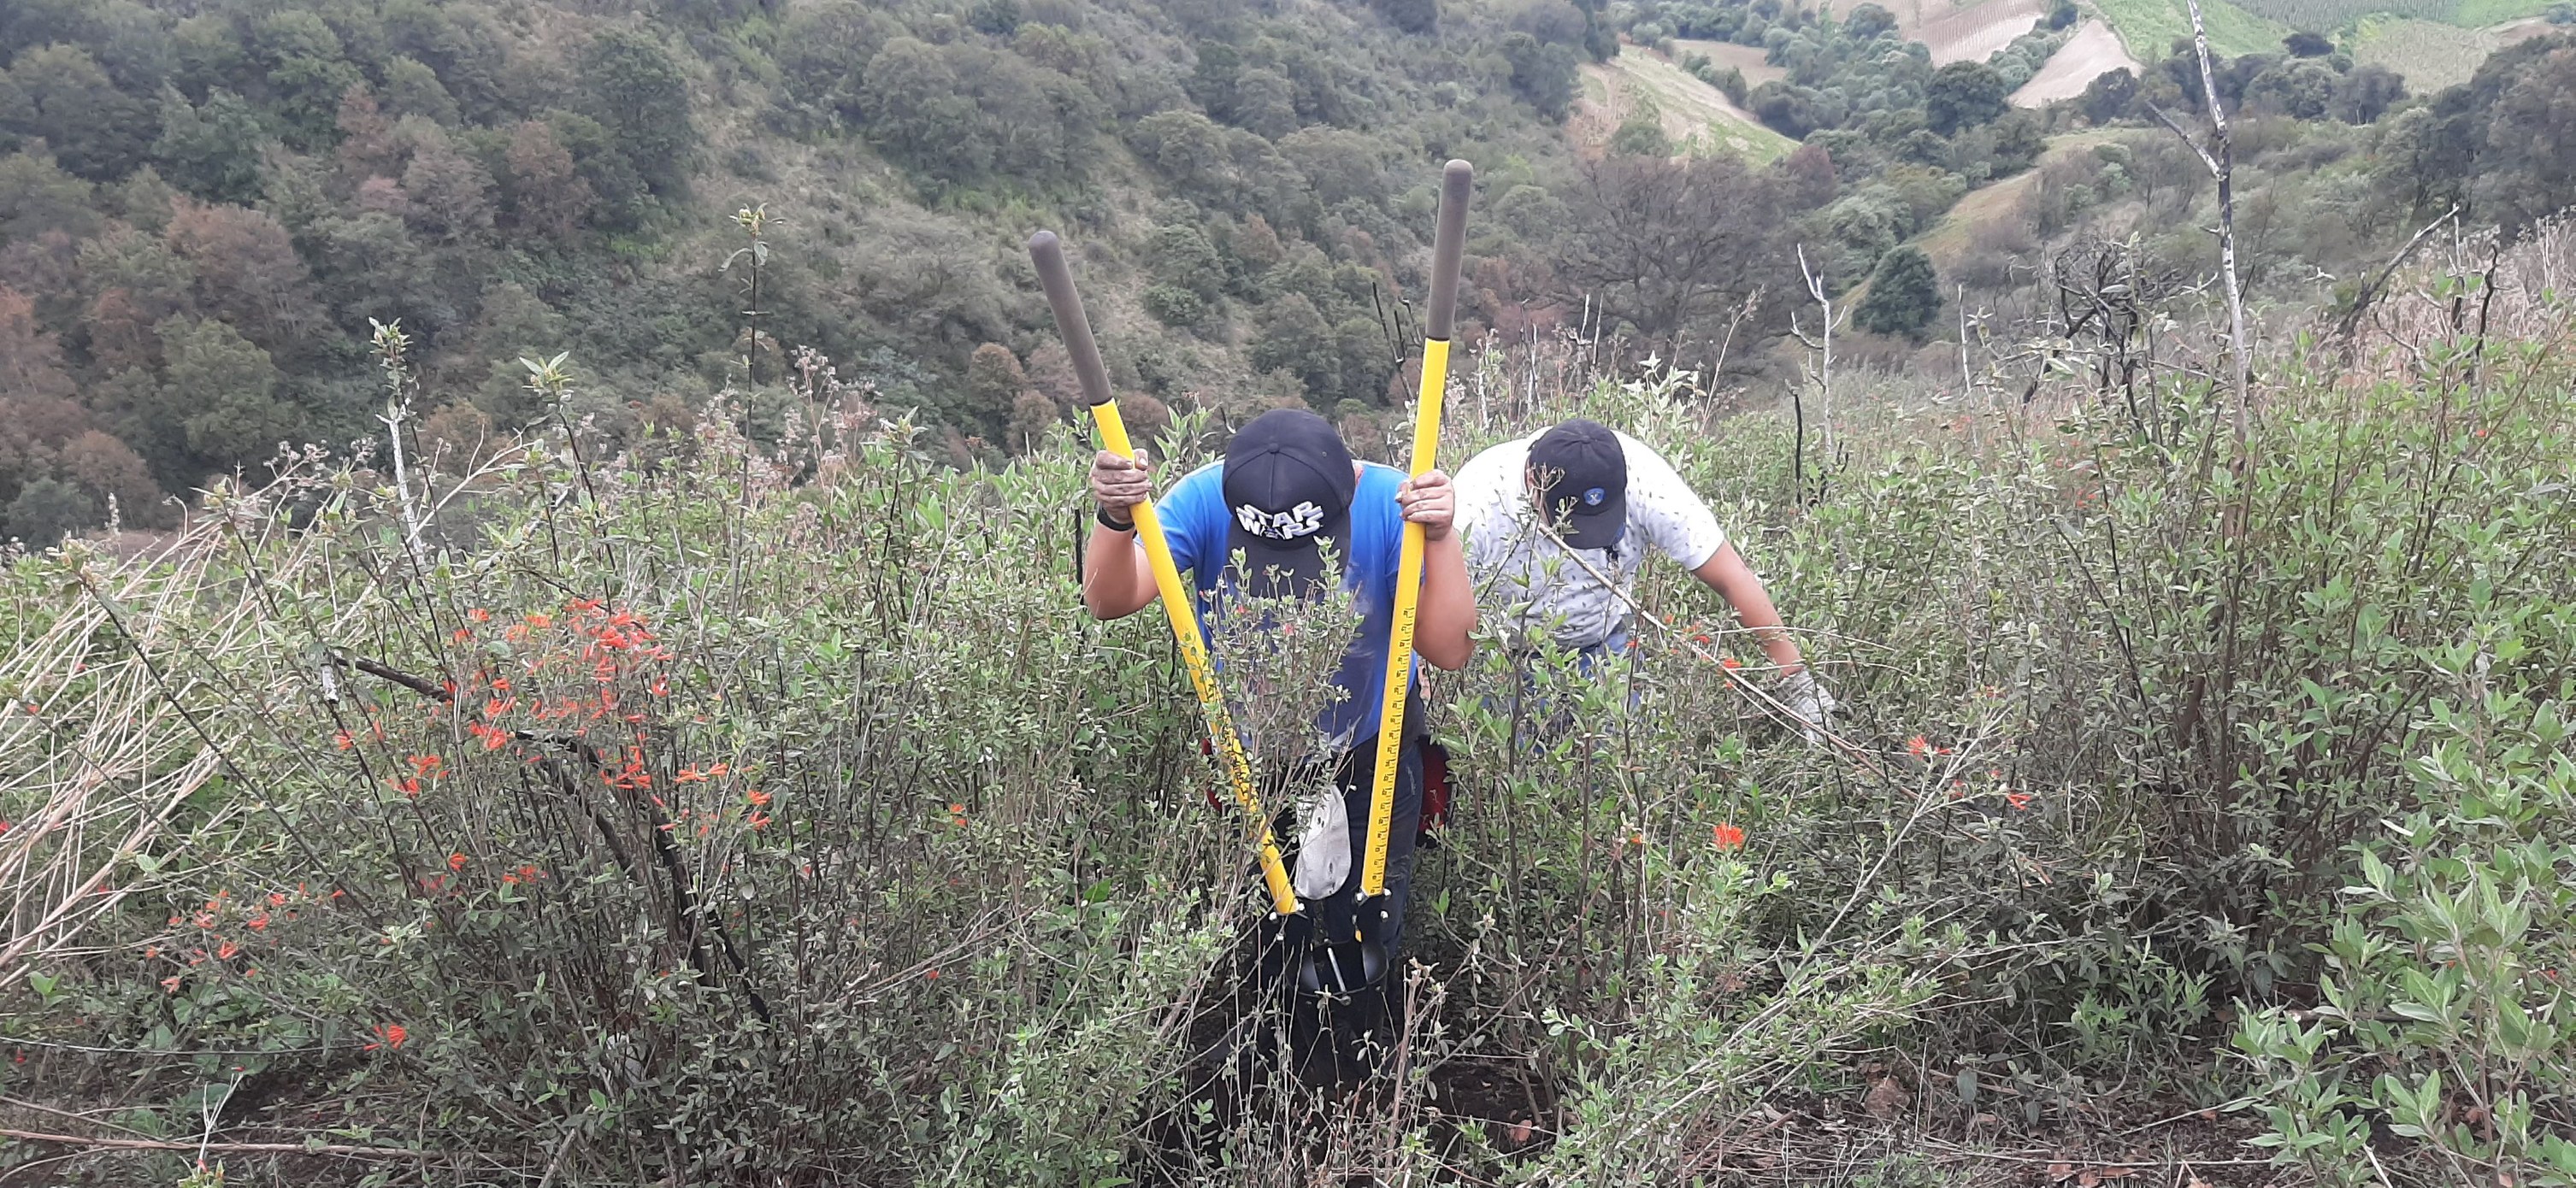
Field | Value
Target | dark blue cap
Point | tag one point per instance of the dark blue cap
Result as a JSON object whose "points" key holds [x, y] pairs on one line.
{"points": [[1580, 472], [1288, 487]]}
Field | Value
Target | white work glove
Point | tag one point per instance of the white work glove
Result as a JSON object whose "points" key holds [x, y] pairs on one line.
{"points": [[1809, 701], [1323, 844]]}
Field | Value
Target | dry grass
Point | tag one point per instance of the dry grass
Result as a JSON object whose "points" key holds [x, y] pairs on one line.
{"points": [[2094, 51], [1751, 59], [1698, 117]]}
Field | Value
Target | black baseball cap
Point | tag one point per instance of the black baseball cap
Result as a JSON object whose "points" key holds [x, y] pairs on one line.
{"points": [[1581, 475], [1288, 487]]}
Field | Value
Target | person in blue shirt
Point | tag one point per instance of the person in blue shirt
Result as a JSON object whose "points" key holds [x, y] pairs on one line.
{"points": [[1286, 488]]}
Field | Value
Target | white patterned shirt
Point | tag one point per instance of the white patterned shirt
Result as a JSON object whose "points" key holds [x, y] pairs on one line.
{"points": [[1534, 581]]}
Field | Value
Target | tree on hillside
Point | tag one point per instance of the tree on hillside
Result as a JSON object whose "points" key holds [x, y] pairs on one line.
{"points": [[1673, 248], [2304, 44], [2368, 93], [2529, 158], [2109, 96], [639, 95], [1543, 74], [95, 130], [1412, 16], [1964, 95], [1904, 296]]}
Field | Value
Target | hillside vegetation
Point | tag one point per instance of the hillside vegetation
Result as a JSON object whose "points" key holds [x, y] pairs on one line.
{"points": [[698, 813], [591, 689]]}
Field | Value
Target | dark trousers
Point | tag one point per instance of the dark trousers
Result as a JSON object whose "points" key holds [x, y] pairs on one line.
{"points": [[1339, 961], [1342, 915]]}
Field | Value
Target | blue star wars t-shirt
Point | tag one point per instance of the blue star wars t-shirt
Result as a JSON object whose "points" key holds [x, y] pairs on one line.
{"points": [[1195, 522]]}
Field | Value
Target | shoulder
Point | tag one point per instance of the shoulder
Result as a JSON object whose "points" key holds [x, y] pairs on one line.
{"points": [[1199, 495], [1492, 474], [1499, 458], [1648, 468], [1377, 481]]}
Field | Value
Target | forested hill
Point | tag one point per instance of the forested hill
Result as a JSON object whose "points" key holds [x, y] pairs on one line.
{"points": [[207, 206], [204, 206]]}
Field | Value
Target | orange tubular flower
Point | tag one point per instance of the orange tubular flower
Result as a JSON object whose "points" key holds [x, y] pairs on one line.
{"points": [[1728, 836]]}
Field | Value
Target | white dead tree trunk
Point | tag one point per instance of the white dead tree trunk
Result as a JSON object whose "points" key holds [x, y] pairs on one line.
{"points": [[2219, 156]]}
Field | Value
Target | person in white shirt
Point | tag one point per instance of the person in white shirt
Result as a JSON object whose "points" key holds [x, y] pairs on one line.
{"points": [[1557, 525]]}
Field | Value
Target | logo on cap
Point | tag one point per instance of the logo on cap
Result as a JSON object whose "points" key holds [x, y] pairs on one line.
{"points": [[1303, 520], [1595, 496]]}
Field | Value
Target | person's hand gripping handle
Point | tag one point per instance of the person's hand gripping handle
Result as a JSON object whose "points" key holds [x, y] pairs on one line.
{"points": [[1120, 483], [1449, 243]]}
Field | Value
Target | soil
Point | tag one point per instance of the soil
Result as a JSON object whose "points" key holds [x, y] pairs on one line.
{"points": [[2094, 51], [1959, 32]]}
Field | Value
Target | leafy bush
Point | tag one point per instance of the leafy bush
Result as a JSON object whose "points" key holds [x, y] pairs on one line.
{"points": [[708, 811]]}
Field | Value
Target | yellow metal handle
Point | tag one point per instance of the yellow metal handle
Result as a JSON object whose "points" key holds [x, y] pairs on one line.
{"points": [[1178, 606], [1447, 251], [1399, 649]]}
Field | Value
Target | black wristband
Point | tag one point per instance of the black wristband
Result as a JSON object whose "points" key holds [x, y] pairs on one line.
{"points": [[1102, 515]]}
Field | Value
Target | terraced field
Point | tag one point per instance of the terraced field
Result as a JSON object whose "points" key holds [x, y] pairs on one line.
{"points": [[1747, 58], [2433, 55], [1698, 117], [2093, 51], [2148, 28], [1958, 32]]}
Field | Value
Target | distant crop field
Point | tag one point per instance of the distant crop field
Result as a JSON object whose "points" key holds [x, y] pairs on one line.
{"points": [[2325, 16], [2150, 27], [2430, 54]]}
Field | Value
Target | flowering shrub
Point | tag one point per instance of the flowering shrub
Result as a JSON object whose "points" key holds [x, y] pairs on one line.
{"points": [[656, 818]]}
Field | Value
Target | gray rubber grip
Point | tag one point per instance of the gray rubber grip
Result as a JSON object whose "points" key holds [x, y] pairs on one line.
{"points": [[1457, 181], [1056, 277]]}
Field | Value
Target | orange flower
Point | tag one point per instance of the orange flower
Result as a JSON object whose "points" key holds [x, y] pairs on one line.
{"points": [[171, 983], [479, 615], [2019, 800], [257, 923], [1728, 837], [1730, 663], [759, 799], [932, 973], [392, 1034], [759, 821], [409, 788], [456, 862], [342, 738], [1916, 747], [427, 765], [540, 620], [277, 899], [688, 775], [225, 951]]}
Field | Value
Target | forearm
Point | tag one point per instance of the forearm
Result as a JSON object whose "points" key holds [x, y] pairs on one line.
{"points": [[1445, 622], [1115, 579], [1734, 581]]}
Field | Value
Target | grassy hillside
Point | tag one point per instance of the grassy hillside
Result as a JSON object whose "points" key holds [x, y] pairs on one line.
{"points": [[2150, 27], [1697, 117], [605, 819]]}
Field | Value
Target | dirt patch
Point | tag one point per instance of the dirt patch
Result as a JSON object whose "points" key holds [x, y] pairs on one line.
{"points": [[1958, 32], [2094, 51], [1971, 32], [1747, 58]]}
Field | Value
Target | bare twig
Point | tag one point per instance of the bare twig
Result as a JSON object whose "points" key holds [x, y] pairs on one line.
{"points": [[333, 1149]]}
